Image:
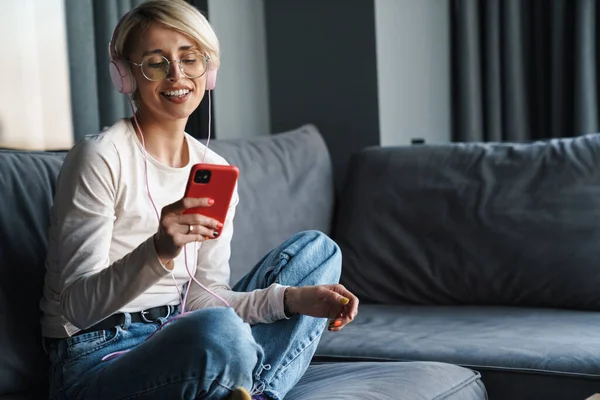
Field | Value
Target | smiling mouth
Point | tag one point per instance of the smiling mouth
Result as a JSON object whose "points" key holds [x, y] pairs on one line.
{"points": [[176, 93]]}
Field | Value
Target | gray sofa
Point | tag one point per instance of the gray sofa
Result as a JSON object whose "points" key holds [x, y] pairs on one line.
{"points": [[481, 255], [468, 259], [285, 186]]}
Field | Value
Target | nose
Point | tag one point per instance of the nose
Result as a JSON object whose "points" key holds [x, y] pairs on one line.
{"points": [[175, 71]]}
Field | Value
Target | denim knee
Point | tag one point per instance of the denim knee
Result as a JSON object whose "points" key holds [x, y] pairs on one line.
{"points": [[318, 240], [318, 245]]}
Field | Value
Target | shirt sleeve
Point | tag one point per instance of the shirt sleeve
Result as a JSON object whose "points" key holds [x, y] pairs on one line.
{"points": [[258, 306], [91, 288]]}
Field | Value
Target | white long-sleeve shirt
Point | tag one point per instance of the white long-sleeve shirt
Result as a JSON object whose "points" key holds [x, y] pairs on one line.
{"points": [[101, 256]]}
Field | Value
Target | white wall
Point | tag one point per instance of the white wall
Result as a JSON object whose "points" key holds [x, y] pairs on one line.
{"points": [[413, 64], [241, 97], [35, 109]]}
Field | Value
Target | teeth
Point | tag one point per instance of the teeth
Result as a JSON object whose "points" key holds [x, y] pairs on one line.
{"points": [[177, 93]]}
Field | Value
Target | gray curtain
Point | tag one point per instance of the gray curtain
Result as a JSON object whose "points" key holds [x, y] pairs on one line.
{"points": [[524, 69], [95, 102]]}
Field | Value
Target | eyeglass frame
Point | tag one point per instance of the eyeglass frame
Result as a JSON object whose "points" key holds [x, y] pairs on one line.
{"points": [[169, 62]]}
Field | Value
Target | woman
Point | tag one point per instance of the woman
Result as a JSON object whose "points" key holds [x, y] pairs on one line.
{"points": [[120, 248]]}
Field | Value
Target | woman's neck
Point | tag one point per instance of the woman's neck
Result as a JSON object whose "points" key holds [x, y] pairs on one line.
{"points": [[164, 140]]}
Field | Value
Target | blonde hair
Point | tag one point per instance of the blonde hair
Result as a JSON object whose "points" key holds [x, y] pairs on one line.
{"points": [[176, 14]]}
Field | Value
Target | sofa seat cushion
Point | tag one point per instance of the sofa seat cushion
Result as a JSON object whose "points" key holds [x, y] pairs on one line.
{"points": [[374, 380], [390, 380], [507, 342]]}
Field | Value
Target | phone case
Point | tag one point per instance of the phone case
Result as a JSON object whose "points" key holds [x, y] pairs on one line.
{"points": [[219, 187]]}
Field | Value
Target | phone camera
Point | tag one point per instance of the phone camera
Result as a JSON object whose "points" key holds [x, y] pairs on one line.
{"points": [[202, 176]]}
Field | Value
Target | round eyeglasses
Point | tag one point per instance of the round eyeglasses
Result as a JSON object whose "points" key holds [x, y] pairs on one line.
{"points": [[156, 67]]}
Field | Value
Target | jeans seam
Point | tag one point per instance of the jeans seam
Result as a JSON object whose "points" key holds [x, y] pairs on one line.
{"points": [[283, 261], [284, 367]]}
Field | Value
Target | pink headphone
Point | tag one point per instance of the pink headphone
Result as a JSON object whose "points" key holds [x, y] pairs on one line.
{"points": [[120, 74]]}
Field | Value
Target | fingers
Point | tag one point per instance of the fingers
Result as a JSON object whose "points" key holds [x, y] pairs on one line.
{"points": [[351, 307], [347, 311], [201, 230], [177, 229], [190, 224], [334, 302], [185, 203], [337, 299], [179, 240], [203, 227], [197, 220]]}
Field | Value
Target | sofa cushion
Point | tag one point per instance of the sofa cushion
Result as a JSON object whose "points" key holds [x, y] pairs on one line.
{"points": [[27, 181], [388, 381], [285, 187], [481, 224], [509, 345]]}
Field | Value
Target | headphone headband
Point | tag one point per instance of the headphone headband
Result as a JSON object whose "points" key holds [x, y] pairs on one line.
{"points": [[112, 51]]}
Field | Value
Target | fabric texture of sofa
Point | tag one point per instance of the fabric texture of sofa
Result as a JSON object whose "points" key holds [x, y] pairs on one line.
{"points": [[286, 186]]}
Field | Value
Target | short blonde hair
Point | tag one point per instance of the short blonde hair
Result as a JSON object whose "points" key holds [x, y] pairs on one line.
{"points": [[176, 14]]}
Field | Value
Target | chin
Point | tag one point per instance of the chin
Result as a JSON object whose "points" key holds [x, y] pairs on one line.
{"points": [[179, 111], [176, 115]]}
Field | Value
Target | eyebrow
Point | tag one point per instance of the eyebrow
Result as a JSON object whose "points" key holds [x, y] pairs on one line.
{"points": [[160, 51]]}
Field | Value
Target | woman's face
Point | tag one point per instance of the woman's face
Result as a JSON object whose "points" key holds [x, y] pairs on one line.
{"points": [[176, 96]]}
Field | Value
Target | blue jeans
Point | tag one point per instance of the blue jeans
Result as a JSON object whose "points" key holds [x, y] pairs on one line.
{"points": [[206, 353]]}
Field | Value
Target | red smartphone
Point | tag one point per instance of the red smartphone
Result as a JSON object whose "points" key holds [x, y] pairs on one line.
{"points": [[212, 181]]}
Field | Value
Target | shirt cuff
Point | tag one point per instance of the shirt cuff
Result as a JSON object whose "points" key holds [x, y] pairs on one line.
{"points": [[276, 298], [152, 259]]}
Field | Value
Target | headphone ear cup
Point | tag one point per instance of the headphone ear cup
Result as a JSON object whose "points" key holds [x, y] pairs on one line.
{"points": [[211, 78], [121, 77]]}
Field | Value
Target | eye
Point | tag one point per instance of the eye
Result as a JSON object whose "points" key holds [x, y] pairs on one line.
{"points": [[158, 65], [155, 62]]}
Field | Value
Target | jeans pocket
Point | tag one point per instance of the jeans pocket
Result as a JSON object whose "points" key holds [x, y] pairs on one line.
{"points": [[87, 343], [83, 354]]}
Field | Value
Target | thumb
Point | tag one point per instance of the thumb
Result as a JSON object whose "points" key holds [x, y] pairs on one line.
{"points": [[335, 298]]}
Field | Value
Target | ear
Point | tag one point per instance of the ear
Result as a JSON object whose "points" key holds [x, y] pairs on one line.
{"points": [[121, 76]]}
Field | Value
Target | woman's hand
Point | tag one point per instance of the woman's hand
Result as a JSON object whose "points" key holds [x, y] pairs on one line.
{"points": [[323, 301], [177, 229]]}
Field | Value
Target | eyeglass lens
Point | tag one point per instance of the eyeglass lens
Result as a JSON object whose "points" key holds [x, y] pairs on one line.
{"points": [[156, 67]]}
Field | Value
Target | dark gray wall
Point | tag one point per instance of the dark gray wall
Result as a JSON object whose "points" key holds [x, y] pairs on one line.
{"points": [[322, 68]]}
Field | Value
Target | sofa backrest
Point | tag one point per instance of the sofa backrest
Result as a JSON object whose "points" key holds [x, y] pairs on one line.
{"points": [[27, 183], [487, 224], [285, 186]]}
